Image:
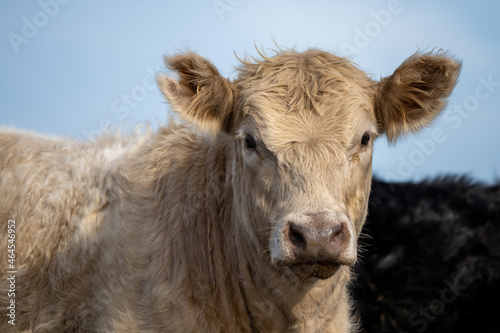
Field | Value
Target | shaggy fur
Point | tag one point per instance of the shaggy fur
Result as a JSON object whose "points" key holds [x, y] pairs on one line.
{"points": [[201, 227], [432, 262]]}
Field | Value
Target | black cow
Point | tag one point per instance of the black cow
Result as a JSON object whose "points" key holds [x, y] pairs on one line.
{"points": [[431, 259]]}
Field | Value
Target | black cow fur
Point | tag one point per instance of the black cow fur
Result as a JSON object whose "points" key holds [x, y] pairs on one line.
{"points": [[431, 258]]}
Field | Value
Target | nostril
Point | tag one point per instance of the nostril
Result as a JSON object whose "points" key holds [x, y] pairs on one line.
{"points": [[335, 231], [296, 237]]}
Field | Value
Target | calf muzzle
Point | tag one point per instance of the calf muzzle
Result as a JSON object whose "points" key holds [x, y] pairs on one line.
{"points": [[317, 248]]}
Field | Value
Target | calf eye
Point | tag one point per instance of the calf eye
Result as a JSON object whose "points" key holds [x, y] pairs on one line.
{"points": [[365, 139], [250, 142]]}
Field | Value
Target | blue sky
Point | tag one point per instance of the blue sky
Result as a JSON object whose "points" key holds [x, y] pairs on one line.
{"points": [[77, 68]]}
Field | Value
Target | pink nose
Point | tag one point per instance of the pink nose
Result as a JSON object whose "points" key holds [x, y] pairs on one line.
{"points": [[316, 242]]}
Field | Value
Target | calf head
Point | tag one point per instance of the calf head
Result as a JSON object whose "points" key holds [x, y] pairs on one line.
{"points": [[300, 128]]}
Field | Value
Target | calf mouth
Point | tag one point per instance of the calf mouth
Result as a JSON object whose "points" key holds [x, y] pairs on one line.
{"points": [[314, 269]]}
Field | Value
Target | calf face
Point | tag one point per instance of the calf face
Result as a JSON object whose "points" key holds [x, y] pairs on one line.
{"points": [[300, 129]]}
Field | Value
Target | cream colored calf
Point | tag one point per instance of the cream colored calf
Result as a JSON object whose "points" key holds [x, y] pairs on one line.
{"points": [[245, 218]]}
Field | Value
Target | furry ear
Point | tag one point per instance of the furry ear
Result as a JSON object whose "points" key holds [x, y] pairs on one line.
{"points": [[415, 94], [201, 95]]}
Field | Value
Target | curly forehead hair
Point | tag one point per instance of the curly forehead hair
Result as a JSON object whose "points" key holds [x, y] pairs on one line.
{"points": [[306, 80]]}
